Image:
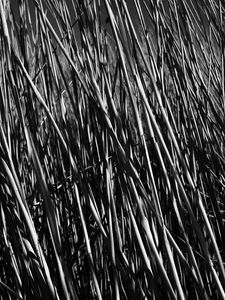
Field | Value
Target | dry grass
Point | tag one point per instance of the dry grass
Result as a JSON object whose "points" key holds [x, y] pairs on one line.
{"points": [[112, 150]]}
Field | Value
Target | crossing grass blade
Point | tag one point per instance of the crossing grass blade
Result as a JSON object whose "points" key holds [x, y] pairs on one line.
{"points": [[111, 149]]}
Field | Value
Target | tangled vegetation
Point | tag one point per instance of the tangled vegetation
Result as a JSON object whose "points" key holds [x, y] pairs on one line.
{"points": [[112, 135]]}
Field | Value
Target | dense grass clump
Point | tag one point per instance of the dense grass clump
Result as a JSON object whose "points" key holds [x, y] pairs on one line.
{"points": [[112, 143]]}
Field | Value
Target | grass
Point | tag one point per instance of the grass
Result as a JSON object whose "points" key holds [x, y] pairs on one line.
{"points": [[112, 150]]}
